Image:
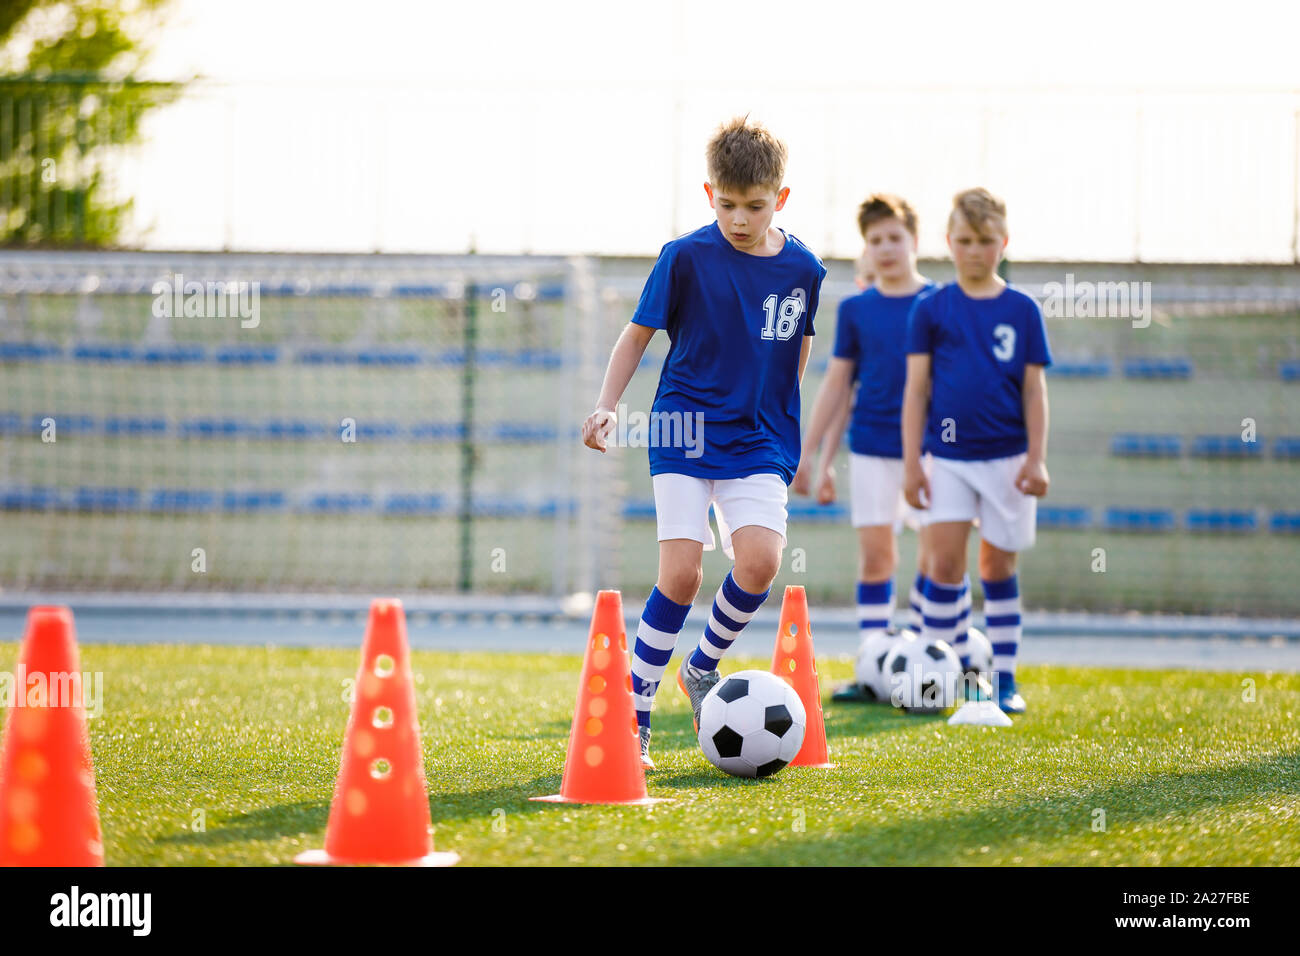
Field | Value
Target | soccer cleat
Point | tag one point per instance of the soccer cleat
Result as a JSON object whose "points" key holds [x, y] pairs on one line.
{"points": [[696, 685], [646, 762], [855, 693], [1008, 700]]}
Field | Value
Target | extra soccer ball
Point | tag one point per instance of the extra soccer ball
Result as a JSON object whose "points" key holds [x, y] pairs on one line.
{"points": [[980, 651], [875, 647], [923, 676], [751, 724]]}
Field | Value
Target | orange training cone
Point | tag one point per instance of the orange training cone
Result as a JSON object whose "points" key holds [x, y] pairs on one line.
{"points": [[380, 811], [794, 662], [47, 781], [604, 760]]}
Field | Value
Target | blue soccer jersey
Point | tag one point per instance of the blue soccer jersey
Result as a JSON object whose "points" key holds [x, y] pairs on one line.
{"points": [[735, 325], [978, 350], [872, 333]]}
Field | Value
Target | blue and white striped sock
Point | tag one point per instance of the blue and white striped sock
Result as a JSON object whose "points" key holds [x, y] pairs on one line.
{"points": [[875, 604], [732, 610], [914, 599], [963, 624], [940, 609], [1002, 622], [656, 636]]}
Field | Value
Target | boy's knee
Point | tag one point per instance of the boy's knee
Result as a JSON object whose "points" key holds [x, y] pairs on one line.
{"points": [[946, 568], [681, 585], [756, 572], [997, 567], [878, 567]]}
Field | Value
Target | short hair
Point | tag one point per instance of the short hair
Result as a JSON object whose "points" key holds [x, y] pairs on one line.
{"points": [[886, 206], [742, 155], [980, 208]]}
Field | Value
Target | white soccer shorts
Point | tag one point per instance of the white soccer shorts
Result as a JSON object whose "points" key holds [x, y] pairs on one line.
{"points": [[962, 490], [682, 506], [876, 493]]}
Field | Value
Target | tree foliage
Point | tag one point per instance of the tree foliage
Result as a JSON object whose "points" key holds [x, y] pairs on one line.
{"points": [[70, 100]]}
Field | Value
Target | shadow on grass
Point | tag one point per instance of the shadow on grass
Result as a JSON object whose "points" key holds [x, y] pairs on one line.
{"points": [[941, 841], [265, 823]]}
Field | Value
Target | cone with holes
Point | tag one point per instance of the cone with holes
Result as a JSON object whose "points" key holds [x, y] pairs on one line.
{"points": [[604, 760], [794, 662], [48, 815], [380, 811]]}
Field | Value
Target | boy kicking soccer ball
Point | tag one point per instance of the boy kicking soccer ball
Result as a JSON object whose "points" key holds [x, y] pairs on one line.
{"points": [[737, 298], [870, 354], [977, 350]]}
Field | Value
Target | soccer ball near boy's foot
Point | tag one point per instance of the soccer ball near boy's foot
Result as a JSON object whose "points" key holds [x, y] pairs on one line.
{"points": [[696, 685], [923, 675], [980, 651], [875, 647], [752, 724]]}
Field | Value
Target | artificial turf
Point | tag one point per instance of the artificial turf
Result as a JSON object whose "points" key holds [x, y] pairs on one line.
{"points": [[1109, 767]]}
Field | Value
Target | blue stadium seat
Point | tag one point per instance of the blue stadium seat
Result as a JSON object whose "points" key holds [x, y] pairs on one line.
{"points": [[379, 431], [814, 513], [438, 431], [323, 357], [182, 499], [1136, 519], [1071, 518], [521, 432], [253, 501], [1288, 446], [389, 356], [31, 499], [402, 503], [217, 428], [1289, 370], [278, 429], [174, 354], [1081, 368], [105, 352], [135, 426], [106, 499], [1225, 446], [1199, 519], [1146, 446], [1285, 522], [1168, 367], [639, 509], [29, 351], [247, 355], [500, 507], [339, 503]]}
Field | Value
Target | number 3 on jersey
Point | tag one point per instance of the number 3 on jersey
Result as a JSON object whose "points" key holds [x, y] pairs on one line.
{"points": [[782, 321], [1006, 347]]}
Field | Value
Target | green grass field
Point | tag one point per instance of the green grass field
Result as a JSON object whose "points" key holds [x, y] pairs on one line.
{"points": [[1185, 771]]}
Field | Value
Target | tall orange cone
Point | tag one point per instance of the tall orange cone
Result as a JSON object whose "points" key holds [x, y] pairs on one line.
{"points": [[794, 662], [48, 815], [604, 760], [380, 811]]}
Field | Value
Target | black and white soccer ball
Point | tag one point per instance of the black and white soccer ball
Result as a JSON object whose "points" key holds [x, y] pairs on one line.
{"points": [[868, 668], [924, 676], [751, 724], [980, 651]]}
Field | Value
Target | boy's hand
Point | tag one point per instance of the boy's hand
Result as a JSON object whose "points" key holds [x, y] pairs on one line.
{"points": [[1032, 478], [826, 487], [916, 484], [802, 483], [598, 424]]}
